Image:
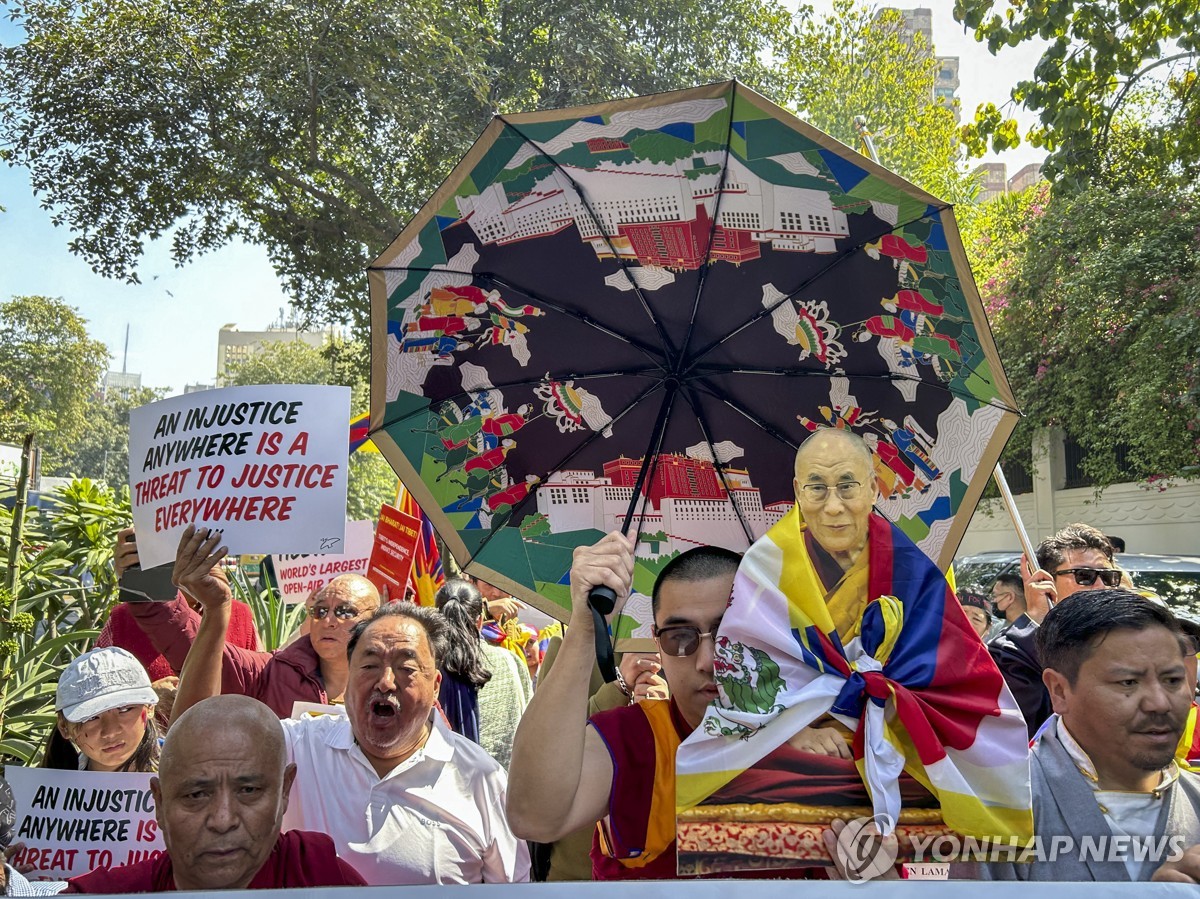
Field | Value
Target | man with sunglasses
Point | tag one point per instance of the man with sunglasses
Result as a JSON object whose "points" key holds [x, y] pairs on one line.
{"points": [[1077, 558], [313, 668], [620, 767]]}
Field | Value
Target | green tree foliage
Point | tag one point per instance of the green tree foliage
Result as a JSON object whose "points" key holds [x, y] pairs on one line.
{"points": [[371, 481], [996, 240], [101, 450], [1098, 54], [64, 592], [855, 60], [1140, 147], [1099, 327], [317, 129], [285, 362], [48, 370]]}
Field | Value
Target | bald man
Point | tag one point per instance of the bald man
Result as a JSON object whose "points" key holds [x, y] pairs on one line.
{"points": [[220, 795], [313, 668]]}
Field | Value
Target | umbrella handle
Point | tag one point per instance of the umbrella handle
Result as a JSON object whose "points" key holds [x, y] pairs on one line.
{"points": [[602, 600]]}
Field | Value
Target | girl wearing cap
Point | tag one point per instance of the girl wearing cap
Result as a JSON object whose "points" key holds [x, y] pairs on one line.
{"points": [[105, 708]]}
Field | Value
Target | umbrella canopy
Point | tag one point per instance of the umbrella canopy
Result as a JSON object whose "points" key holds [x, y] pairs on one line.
{"points": [[635, 311]]}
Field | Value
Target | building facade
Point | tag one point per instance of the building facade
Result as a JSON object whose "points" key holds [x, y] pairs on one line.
{"points": [[687, 504], [235, 346], [663, 218], [945, 82], [1026, 176], [120, 383], [1150, 519], [994, 180]]}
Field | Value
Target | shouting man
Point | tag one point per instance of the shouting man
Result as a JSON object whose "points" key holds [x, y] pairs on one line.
{"points": [[405, 799]]}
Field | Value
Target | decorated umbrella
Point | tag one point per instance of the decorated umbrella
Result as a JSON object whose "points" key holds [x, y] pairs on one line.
{"points": [[630, 314]]}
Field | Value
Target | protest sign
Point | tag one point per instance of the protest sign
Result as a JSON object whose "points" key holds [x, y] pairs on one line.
{"points": [[302, 709], [72, 822], [266, 464], [392, 555], [299, 575]]}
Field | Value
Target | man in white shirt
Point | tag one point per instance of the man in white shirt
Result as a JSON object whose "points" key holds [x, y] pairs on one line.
{"points": [[405, 799]]}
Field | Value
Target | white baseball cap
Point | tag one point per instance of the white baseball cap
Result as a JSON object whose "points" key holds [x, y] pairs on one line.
{"points": [[100, 680]]}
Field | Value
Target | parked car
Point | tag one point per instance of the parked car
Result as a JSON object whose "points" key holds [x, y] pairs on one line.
{"points": [[1174, 578]]}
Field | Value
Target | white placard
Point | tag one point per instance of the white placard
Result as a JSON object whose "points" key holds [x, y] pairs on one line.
{"points": [[73, 822], [299, 575], [266, 464], [302, 709]]}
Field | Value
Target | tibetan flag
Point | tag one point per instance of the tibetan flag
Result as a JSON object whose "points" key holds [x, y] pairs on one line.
{"points": [[427, 575], [903, 673], [360, 427], [1187, 753]]}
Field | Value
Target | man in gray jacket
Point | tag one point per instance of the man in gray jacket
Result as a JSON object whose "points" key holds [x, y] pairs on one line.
{"points": [[1103, 771]]}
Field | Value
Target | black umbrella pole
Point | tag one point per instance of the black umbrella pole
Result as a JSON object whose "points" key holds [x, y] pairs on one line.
{"points": [[602, 600]]}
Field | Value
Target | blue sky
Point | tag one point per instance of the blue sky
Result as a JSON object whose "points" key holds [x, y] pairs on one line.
{"points": [[174, 314]]}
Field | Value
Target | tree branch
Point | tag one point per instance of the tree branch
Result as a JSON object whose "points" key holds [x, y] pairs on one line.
{"points": [[1103, 137]]}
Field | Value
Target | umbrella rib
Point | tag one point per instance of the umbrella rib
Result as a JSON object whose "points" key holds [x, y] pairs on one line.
{"points": [[712, 229], [566, 460], [769, 429], [842, 257], [644, 373], [648, 351], [891, 376], [718, 464], [657, 435], [668, 346]]}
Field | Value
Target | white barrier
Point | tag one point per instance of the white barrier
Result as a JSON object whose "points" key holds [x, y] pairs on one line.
{"points": [[751, 889]]}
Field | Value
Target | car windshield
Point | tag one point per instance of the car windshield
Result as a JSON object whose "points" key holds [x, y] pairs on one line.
{"points": [[980, 574], [1179, 589]]}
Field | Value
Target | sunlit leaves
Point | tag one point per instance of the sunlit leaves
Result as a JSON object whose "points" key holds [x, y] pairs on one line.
{"points": [[856, 61], [1097, 317], [1098, 53], [49, 368], [317, 129]]}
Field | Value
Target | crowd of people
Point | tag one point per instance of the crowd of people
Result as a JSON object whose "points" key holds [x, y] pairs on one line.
{"points": [[445, 758]]}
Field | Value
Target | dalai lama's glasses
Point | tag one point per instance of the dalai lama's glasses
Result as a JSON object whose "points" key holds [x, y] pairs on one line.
{"points": [[682, 639], [1085, 577], [819, 493]]}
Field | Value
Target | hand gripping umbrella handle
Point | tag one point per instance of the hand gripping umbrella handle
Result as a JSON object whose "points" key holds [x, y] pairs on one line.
{"points": [[602, 600]]}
